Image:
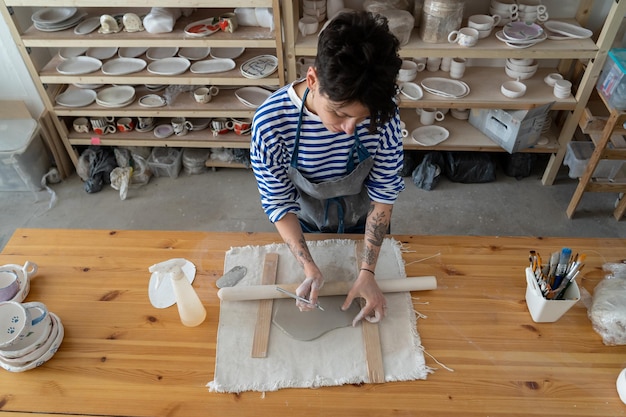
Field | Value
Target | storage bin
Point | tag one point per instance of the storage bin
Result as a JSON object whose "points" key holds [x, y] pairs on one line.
{"points": [[577, 157], [165, 162], [612, 82], [23, 158]]}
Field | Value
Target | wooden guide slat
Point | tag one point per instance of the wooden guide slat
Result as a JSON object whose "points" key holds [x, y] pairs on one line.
{"points": [[261, 338]]}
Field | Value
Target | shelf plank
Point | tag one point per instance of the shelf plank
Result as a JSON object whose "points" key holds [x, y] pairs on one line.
{"points": [[464, 137], [484, 83], [50, 75], [147, 3], [489, 47]]}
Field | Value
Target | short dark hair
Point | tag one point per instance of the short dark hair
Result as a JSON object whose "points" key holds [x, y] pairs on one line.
{"points": [[357, 60]]}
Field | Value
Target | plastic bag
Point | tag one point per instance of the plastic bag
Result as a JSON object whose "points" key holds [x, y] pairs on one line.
{"points": [[518, 165], [426, 175], [120, 178], [470, 167], [101, 163], [608, 308], [161, 19]]}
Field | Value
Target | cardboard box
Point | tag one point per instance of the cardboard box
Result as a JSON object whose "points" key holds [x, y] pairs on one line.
{"points": [[513, 130]]}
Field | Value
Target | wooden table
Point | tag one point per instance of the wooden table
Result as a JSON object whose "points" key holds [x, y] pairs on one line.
{"points": [[122, 357]]}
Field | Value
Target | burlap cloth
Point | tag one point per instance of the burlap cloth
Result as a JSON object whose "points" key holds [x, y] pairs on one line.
{"points": [[337, 357]]}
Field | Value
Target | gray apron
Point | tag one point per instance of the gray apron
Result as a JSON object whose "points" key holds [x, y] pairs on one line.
{"points": [[339, 205]]}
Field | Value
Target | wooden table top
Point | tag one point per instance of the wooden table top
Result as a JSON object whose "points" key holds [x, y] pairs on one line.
{"points": [[122, 357]]}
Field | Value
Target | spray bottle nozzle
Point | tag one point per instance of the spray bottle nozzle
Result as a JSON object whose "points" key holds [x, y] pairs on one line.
{"points": [[173, 267]]}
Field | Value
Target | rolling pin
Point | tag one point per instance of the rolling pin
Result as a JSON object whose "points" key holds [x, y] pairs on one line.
{"points": [[266, 292]]}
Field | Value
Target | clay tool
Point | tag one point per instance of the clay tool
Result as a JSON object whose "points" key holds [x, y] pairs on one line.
{"points": [[297, 297], [232, 277], [561, 268]]}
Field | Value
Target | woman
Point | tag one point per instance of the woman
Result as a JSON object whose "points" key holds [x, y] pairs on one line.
{"points": [[327, 150]]}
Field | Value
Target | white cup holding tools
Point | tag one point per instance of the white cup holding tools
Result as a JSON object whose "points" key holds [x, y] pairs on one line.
{"points": [[430, 115], [205, 94]]}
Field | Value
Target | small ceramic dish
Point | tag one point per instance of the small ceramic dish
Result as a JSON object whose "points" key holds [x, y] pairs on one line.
{"points": [[513, 89], [411, 91]]}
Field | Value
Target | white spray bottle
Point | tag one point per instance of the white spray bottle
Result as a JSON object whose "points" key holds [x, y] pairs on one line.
{"points": [[192, 312]]}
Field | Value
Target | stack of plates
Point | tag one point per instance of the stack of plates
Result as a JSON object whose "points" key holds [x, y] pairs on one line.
{"points": [[521, 34], [123, 66], [76, 97], [209, 66], [445, 87], [116, 96], [52, 19], [562, 30], [36, 348], [259, 67]]}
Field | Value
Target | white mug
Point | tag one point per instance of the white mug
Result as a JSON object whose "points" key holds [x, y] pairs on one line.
{"points": [[457, 67], [308, 25], [428, 116], [205, 94], [181, 126], [465, 37], [433, 63], [483, 21]]}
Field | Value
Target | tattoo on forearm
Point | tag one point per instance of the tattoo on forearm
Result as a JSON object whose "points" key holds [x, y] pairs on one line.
{"points": [[377, 229], [300, 251], [369, 256]]}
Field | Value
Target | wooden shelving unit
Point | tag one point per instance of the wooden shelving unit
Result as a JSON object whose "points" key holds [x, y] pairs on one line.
{"points": [[484, 81], [50, 83]]}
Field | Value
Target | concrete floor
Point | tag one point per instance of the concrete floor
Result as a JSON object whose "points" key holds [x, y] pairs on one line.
{"points": [[227, 200]]}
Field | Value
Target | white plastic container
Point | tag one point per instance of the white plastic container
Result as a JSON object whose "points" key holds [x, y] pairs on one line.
{"points": [[578, 155], [543, 310], [23, 158]]}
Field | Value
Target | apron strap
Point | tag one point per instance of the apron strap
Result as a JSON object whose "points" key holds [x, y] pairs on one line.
{"points": [[294, 153]]}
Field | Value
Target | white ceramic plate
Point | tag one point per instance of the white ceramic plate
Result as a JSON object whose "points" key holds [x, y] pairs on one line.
{"points": [[212, 65], [430, 135], [79, 65], [76, 98], [87, 85], [131, 51], [163, 131], [169, 66], [259, 67], [161, 52], [567, 29], [52, 15], [72, 52], [88, 25], [252, 96], [116, 95], [411, 91], [445, 87], [162, 296], [122, 66], [202, 28], [194, 54], [152, 100], [66, 24], [102, 52], [522, 42], [231, 53], [519, 31]]}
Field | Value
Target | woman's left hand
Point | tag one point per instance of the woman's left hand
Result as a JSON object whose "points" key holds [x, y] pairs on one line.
{"points": [[365, 287]]}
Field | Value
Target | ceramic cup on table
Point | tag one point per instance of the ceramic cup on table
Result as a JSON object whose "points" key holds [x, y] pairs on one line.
{"points": [[457, 68], [464, 37], [205, 94], [103, 125], [24, 274], [242, 126], [308, 25], [430, 115], [16, 320], [27, 349], [221, 125], [81, 125], [181, 126], [9, 285], [125, 124]]}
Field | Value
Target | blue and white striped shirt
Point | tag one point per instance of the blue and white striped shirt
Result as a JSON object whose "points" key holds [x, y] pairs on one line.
{"points": [[322, 154]]}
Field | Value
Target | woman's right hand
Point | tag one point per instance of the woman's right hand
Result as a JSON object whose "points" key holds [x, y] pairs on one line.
{"points": [[309, 289]]}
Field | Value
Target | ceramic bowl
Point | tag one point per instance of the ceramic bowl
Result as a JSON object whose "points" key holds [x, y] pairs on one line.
{"points": [[551, 79], [522, 68], [521, 61], [408, 71], [28, 348], [513, 89], [517, 74], [460, 114], [411, 91]]}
